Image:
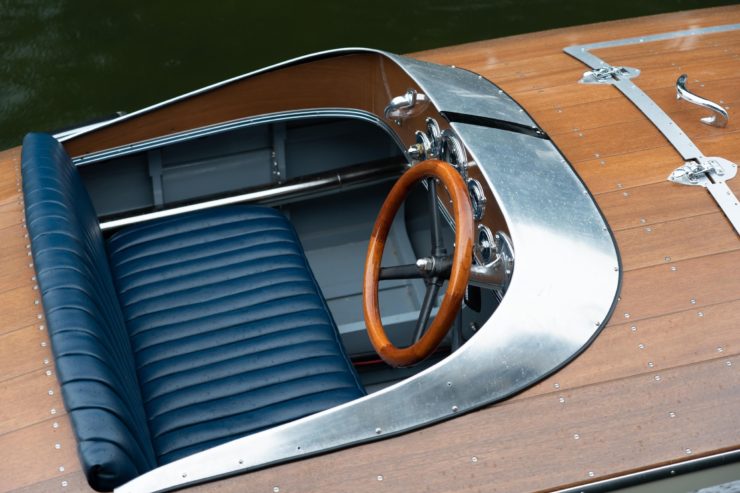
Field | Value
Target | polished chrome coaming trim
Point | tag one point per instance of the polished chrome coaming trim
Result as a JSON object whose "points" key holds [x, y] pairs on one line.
{"points": [[197, 133], [714, 182], [657, 473], [566, 264]]}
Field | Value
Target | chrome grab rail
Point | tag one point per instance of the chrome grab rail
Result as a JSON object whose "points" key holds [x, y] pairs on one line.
{"points": [[683, 93]]}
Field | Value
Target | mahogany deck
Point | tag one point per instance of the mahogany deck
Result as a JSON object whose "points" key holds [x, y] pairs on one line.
{"points": [[660, 385]]}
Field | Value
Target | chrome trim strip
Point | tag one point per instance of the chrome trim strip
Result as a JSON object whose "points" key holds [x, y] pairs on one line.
{"points": [[233, 125], [660, 36], [723, 195], [654, 474], [566, 263], [467, 91]]}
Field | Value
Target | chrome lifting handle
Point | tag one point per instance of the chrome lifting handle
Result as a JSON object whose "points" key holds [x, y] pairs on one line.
{"points": [[683, 93]]}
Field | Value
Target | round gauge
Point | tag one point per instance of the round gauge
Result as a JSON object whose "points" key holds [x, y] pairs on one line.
{"points": [[453, 152], [477, 198], [435, 137], [485, 245]]}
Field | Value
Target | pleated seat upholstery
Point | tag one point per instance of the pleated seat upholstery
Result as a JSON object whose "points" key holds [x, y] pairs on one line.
{"points": [[229, 331], [176, 335]]}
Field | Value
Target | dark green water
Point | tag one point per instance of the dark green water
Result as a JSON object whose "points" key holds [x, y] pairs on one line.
{"points": [[67, 61]]}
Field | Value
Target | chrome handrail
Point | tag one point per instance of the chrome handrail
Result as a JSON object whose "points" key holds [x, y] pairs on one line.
{"points": [[683, 93]]}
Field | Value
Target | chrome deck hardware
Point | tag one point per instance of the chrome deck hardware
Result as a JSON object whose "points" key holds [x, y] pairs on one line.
{"points": [[719, 119], [403, 107], [712, 173], [699, 172], [709, 172], [608, 75]]}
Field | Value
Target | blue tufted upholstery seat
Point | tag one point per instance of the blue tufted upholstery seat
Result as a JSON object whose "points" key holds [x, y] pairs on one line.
{"points": [[179, 334]]}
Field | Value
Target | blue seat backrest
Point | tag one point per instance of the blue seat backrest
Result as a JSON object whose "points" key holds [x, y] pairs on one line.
{"points": [[91, 345]]}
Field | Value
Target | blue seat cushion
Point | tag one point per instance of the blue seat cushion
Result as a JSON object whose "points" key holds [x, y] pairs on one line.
{"points": [[229, 331], [92, 352]]}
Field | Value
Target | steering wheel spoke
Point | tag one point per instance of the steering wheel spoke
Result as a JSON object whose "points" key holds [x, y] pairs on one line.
{"points": [[409, 271], [427, 305]]}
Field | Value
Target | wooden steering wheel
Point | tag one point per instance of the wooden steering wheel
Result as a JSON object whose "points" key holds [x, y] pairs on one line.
{"points": [[434, 269]]}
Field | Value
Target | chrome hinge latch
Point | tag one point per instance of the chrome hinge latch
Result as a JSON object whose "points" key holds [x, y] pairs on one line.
{"points": [[608, 75], [704, 170], [712, 173]]}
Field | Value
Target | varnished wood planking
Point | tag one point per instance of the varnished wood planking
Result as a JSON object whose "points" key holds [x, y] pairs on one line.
{"points": [[654, 203], [685, 238], [650, 166], [74, 482], [650, 345], [605, 174], [23, 351], [35, 457], [9, 174], [506, 439], [32, 416], [29, 399], [14, 270], [590, 114], [659, 290], [18, 308]]}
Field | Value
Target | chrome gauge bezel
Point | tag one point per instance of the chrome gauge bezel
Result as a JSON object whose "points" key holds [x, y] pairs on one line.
{"points": [[478, 198]]}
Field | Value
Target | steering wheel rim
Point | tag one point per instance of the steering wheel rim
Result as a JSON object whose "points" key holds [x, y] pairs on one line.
{"points": [[460, 269]]}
